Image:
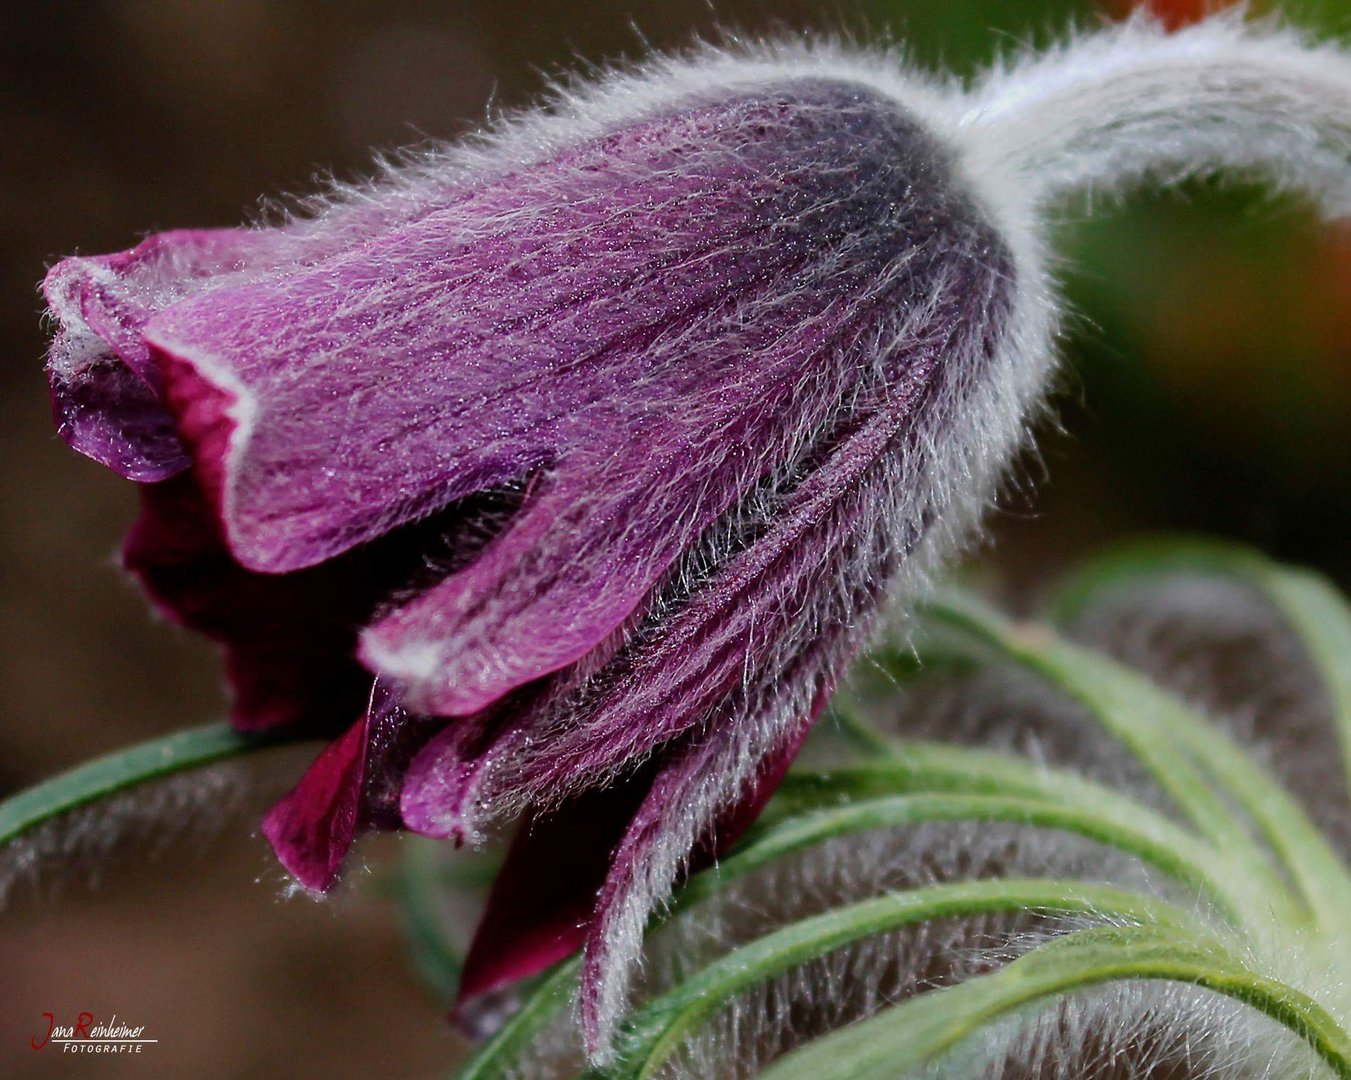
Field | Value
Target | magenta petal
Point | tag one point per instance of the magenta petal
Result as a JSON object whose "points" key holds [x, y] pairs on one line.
{"points": [[572, 568], [543, 898], [119, 293], [109, 413], [543, 903], [105, 390], [453, 788], [352, 786], [313, 826], [531, 324], [723, 352], [441, 789], [290, 639], [707, 792]]}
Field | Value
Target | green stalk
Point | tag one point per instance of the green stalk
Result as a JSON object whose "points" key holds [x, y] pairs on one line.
{"points": [[1318, 614], [1103, 816], [419, 888]]}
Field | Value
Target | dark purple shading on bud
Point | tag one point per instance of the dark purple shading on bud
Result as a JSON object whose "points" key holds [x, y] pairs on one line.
{"points": [[606, 460]]}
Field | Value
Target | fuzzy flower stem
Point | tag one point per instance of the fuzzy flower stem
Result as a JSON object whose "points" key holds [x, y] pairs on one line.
{"points": [[1132, 105]]}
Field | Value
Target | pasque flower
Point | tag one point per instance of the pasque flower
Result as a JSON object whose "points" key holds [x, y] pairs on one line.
{"points": [[574, 464]]}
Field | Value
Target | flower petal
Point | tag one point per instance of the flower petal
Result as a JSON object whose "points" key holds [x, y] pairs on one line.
{"points": [[289, 639], [445, 785], [105, 389], [567, 316], [545, 893], [543, 903], [442, 785], [805, 557], [109, 413], [711, 786], [352, 786], [312, 827]]}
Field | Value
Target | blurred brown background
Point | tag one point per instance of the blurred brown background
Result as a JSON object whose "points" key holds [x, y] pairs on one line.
{"points": [[1207, 387]]}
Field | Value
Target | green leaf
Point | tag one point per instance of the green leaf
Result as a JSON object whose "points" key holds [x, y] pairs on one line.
{"points": [[656, 1031], [1120, 823], [849, 801], [1315, 610], [123, 769], [905, 1037], [419, 889], [1321, 617], [501, 1054], [1169, 739]]}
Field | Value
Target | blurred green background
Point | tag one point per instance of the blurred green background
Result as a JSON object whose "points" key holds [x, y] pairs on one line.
{"points": [[1206, 386]]}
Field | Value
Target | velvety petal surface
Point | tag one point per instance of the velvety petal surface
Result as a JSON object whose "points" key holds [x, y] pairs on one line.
{"points": [[543, 898], [703, 797], [105, 388], [543, 902], [746, 640], [643, 318], [802, 560], [313, 826]]}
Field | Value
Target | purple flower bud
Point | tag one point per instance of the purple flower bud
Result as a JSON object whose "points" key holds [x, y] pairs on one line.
{"points": [[609, 456], [577, 463]]}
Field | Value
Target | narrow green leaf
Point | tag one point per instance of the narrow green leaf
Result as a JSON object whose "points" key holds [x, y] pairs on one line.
{"points": [[1318, 613], [1129, 828], [1164, 734], [419, 888], [915, 766], [907, 1036], [123, 769], [656, 1031], [501, 1054], [1321, 618], [855, 801]]}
